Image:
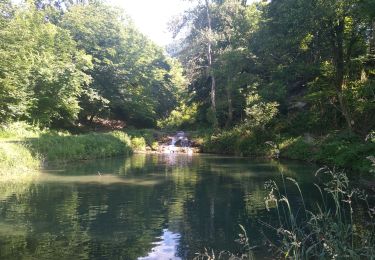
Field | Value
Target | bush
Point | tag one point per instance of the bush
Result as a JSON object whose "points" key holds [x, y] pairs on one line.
{"points": [[239, 141], [149, 137], [346, 150], [343, 149], [297, 149], [138, 143], [259, 113], [182, 117]]}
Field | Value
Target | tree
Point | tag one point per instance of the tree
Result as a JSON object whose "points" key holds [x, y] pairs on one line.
{"points": [[42, 71], [315, 47], [216, 56], [130, 71], [210, 70], [197, 51]]}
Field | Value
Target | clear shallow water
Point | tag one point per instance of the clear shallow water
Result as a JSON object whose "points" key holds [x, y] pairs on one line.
{"points": [[144, 207]]}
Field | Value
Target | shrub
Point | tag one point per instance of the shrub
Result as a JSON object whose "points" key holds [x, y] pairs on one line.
{"points": [[138, 143], [259, 113], [346, 150], [297, 149], [181, 117], [155, 145], [239, 141]]}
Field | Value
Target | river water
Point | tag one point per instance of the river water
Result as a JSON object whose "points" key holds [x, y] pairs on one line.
{"points": [[145, 207]]}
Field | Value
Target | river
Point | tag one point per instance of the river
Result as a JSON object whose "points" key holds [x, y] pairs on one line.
{"points": [[146, 207]]}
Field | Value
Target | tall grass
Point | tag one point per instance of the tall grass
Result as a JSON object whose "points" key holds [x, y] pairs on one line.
{"points": [[18, 169], [19, 130], [331, 230], [65, 148], [243, 240], [16, 160]]}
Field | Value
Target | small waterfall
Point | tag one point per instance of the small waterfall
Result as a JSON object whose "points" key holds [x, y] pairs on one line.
{"points": [[174, 140], [179, 141], [181, 138]]}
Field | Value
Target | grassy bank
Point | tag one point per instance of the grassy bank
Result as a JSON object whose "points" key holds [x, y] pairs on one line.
{"points": [[18, 169], [57, 148], [340, 149], [23, 149], [16, 159]]}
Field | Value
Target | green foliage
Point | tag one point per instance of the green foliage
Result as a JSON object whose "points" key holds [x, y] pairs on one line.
{"points": [[259, 113], [297, 148], [18, 130], [239, 141], [42, 72], [24, 147], [63, 148], [16, 160], [225, 38], [324, 231], [87, 60], [155, 145], [346, 150], [224, 142], [149, 135], [132, 78], [311, 62], [138, 143], [181, 117]]}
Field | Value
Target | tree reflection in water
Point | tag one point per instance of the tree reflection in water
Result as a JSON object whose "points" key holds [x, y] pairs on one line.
{"points": [[151, 206]]}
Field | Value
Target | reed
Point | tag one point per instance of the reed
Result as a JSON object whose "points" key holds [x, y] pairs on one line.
{"points": [[331, 230]]}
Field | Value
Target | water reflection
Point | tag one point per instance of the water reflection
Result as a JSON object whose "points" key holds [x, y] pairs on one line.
{"points": [[193, 201], [166, 248]]}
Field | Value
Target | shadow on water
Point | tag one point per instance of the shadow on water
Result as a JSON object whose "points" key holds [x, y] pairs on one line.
{"points": [[145, 206]]}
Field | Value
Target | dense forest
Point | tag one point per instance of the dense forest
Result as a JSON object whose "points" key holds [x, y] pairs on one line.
{"points": [[64, 63], [254, 78], [296, 75], [309, 63], [82, 88]]}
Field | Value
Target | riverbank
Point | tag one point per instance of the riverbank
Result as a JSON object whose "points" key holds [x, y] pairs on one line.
{"points": [[25, 148], [24, 151], [336, 149], [56, 148], [16, 159]]}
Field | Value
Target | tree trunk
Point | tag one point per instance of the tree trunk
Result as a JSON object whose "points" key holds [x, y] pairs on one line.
{"points": [[338, 53], [230, 106], [372, 40], [210, 71]]}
